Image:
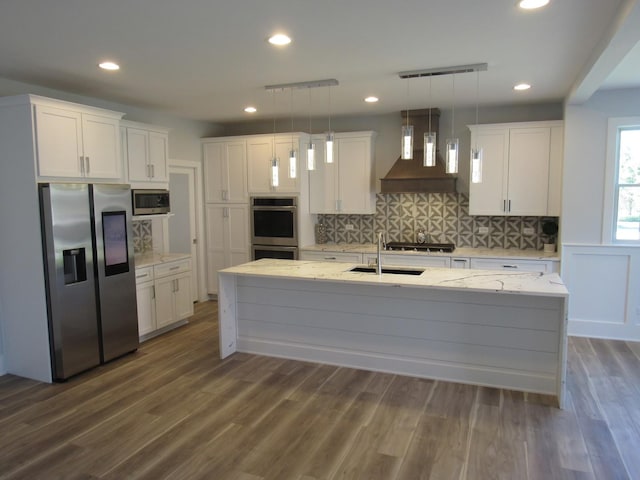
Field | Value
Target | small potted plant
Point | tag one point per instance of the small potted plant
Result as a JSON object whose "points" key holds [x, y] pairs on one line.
{"points": [[550, 229]]}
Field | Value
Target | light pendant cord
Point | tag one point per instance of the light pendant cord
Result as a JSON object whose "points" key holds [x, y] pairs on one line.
{"points": [[477, 101], [429, 103], [453, 103]]}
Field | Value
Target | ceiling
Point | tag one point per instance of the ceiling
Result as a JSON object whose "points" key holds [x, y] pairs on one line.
{"points": [[208, 59]]}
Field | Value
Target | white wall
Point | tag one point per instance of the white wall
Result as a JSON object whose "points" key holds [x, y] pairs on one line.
{"points": [[602, 279]]}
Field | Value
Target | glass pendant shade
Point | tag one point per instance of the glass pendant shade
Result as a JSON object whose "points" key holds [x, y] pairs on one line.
{"points": [[452, 155], [311, 156], [293, 163], [407, 142], [273, 172], [429, 149], [328, 150], [476, 165]]}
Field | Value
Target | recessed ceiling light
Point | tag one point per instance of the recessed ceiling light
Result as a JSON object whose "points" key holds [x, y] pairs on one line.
{"points": [[522, 86], [250, 109], [532, 4], [109, 66], [371, 99], [279, 39]]}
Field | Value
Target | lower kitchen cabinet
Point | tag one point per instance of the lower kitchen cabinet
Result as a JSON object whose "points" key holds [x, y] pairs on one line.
{"points": [[164, 296], [544, 266]]}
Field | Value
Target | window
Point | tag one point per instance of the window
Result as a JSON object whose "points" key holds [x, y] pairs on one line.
{"points": [[627, 225], [622, 197]]}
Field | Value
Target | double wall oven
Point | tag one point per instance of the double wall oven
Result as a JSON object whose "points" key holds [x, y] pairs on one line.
{"points": [[274, 227]]}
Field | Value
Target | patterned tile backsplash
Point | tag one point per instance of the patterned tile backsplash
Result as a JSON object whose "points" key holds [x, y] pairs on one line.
{"points": [[142, 236], [443, 216]]}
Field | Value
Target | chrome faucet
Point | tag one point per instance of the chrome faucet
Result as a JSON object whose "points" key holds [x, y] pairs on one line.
{"points": [[379, 255]]}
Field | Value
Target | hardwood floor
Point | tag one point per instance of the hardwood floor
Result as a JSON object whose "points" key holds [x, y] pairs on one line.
{"points": [[174, 410]]}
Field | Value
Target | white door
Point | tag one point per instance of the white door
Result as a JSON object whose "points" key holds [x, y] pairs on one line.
{"points": [[183, 224]]}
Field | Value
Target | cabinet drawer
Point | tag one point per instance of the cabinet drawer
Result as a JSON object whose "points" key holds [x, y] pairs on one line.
{"points": [[544, 266], [416, 260], [331, 257], [144, 274], [172, 268]]}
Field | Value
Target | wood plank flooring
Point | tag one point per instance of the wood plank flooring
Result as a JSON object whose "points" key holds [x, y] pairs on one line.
{"points": [[174, 410]]}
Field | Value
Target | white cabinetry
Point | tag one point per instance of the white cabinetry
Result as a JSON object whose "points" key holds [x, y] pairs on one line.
{"points": [[521, 165], [348, 185], [145, 294], [74, 141], [347, 257], [225, 170], [227, 239], [261, 149], [227, 205], [147, 151], [164, 296]]}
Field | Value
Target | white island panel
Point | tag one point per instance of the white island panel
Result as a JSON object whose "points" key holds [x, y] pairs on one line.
{"points": [[488, 328]]}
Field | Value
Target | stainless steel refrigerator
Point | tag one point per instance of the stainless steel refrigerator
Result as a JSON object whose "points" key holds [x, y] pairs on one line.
{"points": [[89, 274]]}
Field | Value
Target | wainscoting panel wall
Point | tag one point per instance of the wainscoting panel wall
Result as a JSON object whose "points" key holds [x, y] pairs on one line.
{"points": [[604, 290]]}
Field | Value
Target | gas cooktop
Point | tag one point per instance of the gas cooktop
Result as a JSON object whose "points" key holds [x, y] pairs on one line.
{"points": [[421, 247]]}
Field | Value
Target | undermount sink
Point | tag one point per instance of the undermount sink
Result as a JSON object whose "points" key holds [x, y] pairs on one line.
{"points": [[394, 271]]}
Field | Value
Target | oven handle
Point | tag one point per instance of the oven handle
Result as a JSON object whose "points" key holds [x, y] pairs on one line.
{"points": [[272, 209]]}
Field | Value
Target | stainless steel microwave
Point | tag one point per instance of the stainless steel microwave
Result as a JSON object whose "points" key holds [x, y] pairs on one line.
{"points": [[150, 201]]}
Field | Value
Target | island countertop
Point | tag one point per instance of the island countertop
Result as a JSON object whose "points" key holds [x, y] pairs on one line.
{"points": [[507, 282]]}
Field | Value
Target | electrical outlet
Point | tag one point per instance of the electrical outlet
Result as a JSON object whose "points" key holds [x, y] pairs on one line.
{"points": [[528, 231], [483, 229], [349, 226]]}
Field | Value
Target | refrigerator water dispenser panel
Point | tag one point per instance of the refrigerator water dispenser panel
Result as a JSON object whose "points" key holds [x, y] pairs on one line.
{"points": [[75, 266]]}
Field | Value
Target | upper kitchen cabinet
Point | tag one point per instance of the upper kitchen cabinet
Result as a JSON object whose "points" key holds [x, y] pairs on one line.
{"points": [[147, 152], [76, 142], [261, 149], [521, 169], [346, 186], [225, 170]]}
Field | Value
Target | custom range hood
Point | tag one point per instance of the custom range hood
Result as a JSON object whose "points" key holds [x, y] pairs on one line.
{"points": [[410, 176]]}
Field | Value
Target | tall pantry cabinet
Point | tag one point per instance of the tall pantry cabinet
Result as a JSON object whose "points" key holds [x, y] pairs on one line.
{"points": [[227, 205]]}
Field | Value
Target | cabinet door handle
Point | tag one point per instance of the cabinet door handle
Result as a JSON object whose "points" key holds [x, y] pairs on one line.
{"points": [[509, 266], [82, 165], [88, 169], [225, 212], [460, 260], [225, 195], [504, 205], [153, 170], [142, 275], [175, 268], [153, 292], [509, 205], [330, 258]]}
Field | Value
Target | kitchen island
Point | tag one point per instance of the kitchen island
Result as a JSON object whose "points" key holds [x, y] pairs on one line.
{"points": [[494, 328]]}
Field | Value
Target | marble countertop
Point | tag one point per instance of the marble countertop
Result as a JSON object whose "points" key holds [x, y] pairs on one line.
{"points": [[527, 283], [458, 252], [150, 259]]}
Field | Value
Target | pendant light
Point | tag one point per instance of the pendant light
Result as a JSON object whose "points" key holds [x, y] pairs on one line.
{"points": [[328, 148], [453, 143], [274, 164], [429, 139], [407, 135], [311, 148], [476, 153], [293, 158]]}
